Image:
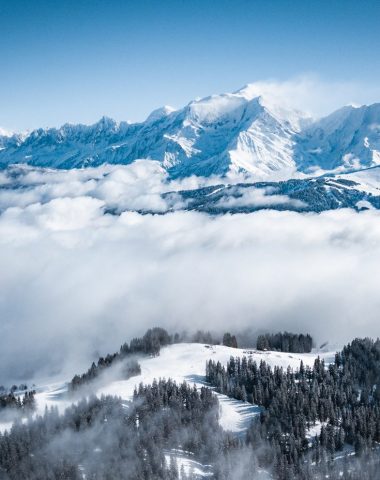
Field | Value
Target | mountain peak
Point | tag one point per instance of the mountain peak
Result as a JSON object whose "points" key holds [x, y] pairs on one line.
{"points": [[105, 123], [160, 113]]}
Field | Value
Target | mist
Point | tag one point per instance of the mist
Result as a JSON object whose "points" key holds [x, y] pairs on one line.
{"points": [[76, 281]]}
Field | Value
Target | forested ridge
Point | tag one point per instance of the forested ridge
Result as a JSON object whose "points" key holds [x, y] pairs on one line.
{"points": [[104, 438], [149, 344], [110, 438], [343, 398]]}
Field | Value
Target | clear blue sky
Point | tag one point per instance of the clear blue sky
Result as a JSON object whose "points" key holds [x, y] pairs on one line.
{"points": [[76, 60]]}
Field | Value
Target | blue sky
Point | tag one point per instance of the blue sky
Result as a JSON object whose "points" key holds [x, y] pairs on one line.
{"points": [[76, 60]]}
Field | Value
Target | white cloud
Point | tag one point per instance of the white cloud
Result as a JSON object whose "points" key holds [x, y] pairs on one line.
{"points": [[315, 95], [257, 197], [76, 281], [5, 133]]}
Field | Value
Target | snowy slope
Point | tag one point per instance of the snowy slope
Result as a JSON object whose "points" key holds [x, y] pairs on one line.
{"points": [[367, 180], [347, 139], [188, 362], [184, 362]]}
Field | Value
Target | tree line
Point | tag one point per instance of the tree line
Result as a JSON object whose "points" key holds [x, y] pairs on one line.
{"points": [[25, 403], [285, 342], [149, 344]]}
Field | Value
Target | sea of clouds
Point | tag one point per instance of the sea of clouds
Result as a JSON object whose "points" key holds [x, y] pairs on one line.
{"points": [[81, 270]]}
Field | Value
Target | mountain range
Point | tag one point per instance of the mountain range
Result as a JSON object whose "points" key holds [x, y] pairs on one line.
{"points": [[233, 132]]}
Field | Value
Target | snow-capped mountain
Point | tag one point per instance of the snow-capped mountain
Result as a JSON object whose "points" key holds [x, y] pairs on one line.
{"points": [[229, 132], [347, 139]]}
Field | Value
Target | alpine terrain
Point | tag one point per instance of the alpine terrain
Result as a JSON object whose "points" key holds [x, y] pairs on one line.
{"points": [[232, 132]]}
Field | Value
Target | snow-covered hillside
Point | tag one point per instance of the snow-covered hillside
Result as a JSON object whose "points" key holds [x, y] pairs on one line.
{"points": [[230, 132], [184, 362], [347, 139]]}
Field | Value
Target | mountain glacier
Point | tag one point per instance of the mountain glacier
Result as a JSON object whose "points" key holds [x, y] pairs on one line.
{"points": [[233, 132]]}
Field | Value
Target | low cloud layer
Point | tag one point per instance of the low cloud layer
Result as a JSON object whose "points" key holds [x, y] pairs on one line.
{"points": [[76, 281]]}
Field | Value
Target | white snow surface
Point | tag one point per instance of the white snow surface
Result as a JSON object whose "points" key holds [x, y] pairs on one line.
{"points": [[368, 180]]}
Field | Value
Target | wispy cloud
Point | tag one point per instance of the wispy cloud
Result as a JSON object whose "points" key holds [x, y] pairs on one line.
{"points": [[256, 197]]}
